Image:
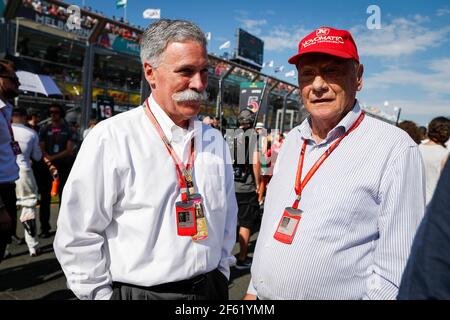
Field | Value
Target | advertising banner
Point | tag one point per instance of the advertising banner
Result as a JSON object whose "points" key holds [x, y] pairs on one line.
{"points": [[250, 95], [117, 43]]}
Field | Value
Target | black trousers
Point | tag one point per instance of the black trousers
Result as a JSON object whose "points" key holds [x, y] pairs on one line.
{"points": [[248, 209], [45, 188], [8, 194], [210, 286]]}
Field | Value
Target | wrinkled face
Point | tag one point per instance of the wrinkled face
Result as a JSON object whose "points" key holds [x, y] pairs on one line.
{"points": [[328, 85], [9, 84], [179, 78]]}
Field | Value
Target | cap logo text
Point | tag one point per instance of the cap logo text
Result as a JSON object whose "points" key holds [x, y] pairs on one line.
{"points": [[322, 32], [321, 39]]}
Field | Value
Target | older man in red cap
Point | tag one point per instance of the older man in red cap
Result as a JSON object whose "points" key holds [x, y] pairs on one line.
{"points": [[347, 193]]}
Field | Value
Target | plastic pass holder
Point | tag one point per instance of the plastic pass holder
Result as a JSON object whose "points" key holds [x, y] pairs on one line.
{"points": [[288, 224], [202, 228], [186, 218], [15, 148]]}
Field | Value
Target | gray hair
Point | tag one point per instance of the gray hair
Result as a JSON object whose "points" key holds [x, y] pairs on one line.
{"points": [[160, 34]]}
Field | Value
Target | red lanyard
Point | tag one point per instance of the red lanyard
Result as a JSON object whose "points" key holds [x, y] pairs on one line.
{"points": [[9, 126], [300, 185], [184, 172]]}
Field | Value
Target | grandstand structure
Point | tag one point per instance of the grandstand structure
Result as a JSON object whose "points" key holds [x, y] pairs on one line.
{"points": [[89, 55]]}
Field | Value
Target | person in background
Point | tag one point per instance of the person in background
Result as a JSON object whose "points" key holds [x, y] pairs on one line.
{"points": [[207, 120], [76, 139], [56, 141], [423, 132], [412, 130], [26, 188], [260, 128], [246, 181], [216, 123], [91, 124], [33, 121], [264, 142], [347, 192], [435, 153], [40, 168], [9, 149], [275, 147]]}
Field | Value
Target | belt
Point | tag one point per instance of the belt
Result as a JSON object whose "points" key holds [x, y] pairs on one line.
{"points": [[174, 287]]}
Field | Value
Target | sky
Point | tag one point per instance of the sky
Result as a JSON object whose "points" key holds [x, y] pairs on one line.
{"points": [[406, 56]]}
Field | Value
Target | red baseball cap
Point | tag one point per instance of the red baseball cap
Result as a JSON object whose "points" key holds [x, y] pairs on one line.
{"points": [[327, 40]]}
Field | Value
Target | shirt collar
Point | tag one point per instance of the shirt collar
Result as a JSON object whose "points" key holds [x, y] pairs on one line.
{"points": [[173, 132], [3, 104], [342, 127]]}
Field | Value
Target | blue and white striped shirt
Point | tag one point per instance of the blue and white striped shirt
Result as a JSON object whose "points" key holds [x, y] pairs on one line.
{"points": [[361, 211]]}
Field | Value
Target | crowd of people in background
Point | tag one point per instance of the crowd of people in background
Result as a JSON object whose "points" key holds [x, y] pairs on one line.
{"points": [[434, 147], [56, 11], [86, 21], [218, 68], [267, 146], [42, 158], [48, 153]]}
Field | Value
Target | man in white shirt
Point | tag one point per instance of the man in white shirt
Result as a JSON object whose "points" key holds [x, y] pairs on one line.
{"points": [[347, 193], [149, 210], [26, 187], [435, 153], [9, 171]]}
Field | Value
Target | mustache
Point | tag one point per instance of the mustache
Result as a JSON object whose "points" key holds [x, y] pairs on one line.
{"points": [[189, 95]]}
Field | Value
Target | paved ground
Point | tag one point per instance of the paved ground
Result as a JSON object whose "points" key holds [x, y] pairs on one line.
{"points": [[25, 277]]}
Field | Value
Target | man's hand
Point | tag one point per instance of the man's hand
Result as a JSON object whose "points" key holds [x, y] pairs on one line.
{"points": [[250, 297]]}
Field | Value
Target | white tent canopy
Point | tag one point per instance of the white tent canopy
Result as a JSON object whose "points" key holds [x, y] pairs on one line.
{"points": [[39, 83]]}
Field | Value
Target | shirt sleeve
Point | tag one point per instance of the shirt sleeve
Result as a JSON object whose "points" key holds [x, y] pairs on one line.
{"points": [[402, 206], [85, 212], [229, 240], [251, 289]]}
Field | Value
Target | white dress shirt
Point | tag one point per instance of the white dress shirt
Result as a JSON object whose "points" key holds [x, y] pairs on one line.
{"points": [[9, 171], [361, 211], [29, 145], [432, 155], [117, 219]]}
